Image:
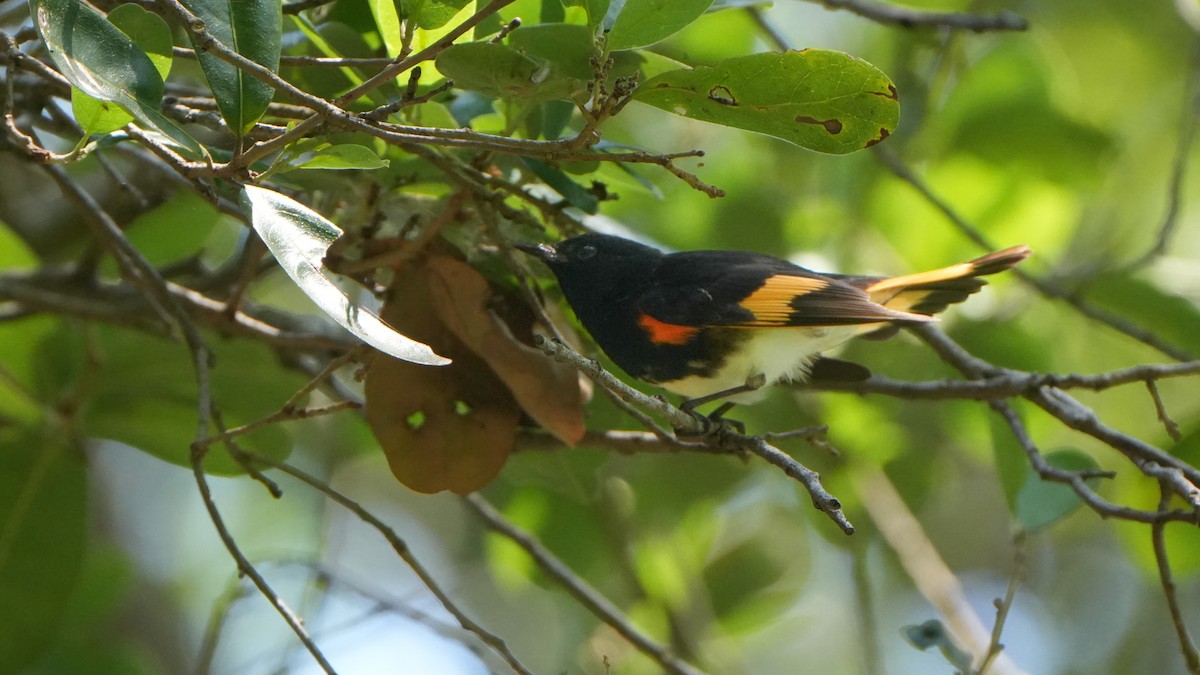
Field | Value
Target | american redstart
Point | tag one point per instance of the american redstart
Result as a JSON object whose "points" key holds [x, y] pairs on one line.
{"points": [[714, 325]]}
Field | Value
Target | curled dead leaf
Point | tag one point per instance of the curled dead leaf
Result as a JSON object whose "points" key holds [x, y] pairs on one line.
{"points": [[449, 428], [546, 390]]}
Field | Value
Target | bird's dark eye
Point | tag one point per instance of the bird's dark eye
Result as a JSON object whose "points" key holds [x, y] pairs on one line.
{"points": [[585, 252]]}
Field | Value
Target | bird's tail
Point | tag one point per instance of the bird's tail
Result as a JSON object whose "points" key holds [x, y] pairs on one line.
{"points": [[931, 292]]}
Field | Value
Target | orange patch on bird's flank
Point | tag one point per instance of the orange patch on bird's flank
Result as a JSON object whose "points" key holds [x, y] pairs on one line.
{"points": [[771, 304], [666, 333]]}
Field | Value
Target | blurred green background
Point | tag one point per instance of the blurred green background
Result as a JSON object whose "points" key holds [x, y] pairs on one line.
{"points": [[1064, 137]]}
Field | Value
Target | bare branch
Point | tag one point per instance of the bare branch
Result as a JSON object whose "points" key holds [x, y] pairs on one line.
{"points": [[1187, 646], [725, 439], [587, 596]]}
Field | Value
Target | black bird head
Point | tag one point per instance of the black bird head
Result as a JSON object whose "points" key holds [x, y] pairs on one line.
{"points": [[595, 271]]}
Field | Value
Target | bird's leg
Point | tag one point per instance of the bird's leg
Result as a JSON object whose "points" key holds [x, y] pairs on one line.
{"points": [[713, 421]]}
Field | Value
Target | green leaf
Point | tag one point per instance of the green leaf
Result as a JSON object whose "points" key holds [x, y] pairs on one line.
{"points": [[101, 61], [43, 530], [253, 29], [387, 22], [1012, 466], [1041, 503], [822, 100], [431, 14], [575, 194], [500, 70], [97, 117], [596, 9], [644, 22], [343, 156], [298, 237], [148, 31], [1173, 318], [146, 397], [567, 47]]}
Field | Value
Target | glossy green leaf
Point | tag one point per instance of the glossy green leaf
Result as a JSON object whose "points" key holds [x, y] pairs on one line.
{"points": [[43, 530], [595, 9], [431, 14], [102, 62], [822, 100], [340, 157], [1041, 503], [387, 22], [253, 29], [148, 31], [500, 70], [644, 22], [298, 237]]}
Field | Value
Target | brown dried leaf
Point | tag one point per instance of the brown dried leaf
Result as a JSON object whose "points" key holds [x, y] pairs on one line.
{"points": [[448, 428], [545, 389]]}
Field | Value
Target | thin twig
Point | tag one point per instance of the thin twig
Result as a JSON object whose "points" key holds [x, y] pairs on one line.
{"points": [[583, 592], [245, 567], [689, 424], [1187, 646], [920, 559], [401, 548], [1004, 605]]}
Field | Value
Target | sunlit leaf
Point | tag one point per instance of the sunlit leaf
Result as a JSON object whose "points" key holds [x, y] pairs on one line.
{"points": [[595, 9], [822, 100], [253, 29], [299, 237], [340, 157], [387, 22], [1041, 503], [148, 31], [43, 530], [644, 22], [102, 62], [431, 14]]}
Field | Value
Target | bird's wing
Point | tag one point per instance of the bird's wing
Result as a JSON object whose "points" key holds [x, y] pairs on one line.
{"points": [[732, 288]]}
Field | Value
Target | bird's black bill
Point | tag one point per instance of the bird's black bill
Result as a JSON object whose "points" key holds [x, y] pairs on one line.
{"points": [[545, 252]]}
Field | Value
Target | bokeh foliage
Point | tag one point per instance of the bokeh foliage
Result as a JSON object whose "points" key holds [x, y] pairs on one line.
{"points": [[1067, 136]]}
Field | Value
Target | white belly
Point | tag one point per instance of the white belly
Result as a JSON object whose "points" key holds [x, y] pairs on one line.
{"points": [[774, 353]]}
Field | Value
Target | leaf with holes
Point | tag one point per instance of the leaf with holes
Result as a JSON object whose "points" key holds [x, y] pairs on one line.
{"points": [[298, 238], [102, 62], [546, 389], [818, 99], [253, 29], [446, 429]]}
